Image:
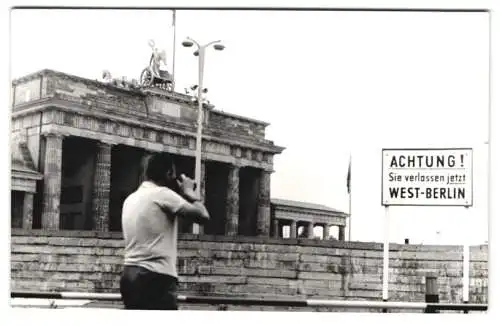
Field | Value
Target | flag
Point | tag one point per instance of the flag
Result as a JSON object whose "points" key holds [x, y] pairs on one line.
{"points": [[349, 177]]}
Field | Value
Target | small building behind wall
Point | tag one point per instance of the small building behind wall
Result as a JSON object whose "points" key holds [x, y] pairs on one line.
{"points": [[87, 140], [295, 219]]}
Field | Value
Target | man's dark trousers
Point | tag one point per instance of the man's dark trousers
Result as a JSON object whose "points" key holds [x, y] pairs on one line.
{"points": [[142, 289]]}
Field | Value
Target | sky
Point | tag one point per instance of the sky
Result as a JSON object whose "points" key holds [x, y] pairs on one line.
{"points": [[332, 85]]}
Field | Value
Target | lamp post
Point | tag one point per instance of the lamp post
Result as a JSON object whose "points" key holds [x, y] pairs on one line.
{"points": [[200, 53]]}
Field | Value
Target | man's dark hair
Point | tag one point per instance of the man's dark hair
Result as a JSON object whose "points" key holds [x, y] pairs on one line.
{"points": [[156, 165]]}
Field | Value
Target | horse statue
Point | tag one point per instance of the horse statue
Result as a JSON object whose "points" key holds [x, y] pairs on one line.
{"points": [[154, 75]]}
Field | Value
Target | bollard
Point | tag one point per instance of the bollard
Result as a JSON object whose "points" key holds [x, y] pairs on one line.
{"points": [[431, 291]]}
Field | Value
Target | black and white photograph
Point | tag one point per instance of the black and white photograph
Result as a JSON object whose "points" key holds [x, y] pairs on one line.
{"points": [[325, 160]]}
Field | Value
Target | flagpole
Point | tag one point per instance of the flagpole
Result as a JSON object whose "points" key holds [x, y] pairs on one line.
{"points": [[350, 183], [174, 45], [350, 218]]}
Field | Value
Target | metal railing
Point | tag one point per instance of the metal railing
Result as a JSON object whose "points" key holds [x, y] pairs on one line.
{"points": [[428, 307]]}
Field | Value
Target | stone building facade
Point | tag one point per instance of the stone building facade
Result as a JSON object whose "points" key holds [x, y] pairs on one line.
{"points": [[78, 145]]}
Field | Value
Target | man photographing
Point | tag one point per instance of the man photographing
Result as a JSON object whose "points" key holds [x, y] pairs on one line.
{"points": [[149, 223]]}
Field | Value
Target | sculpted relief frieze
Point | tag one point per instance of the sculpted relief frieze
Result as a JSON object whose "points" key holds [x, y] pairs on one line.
{"points": [[218, 148], [164, 107], [29, 91], [107, 98]]}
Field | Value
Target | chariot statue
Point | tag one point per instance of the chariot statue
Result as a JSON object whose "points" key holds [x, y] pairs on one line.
{"points": [[154, 75]]}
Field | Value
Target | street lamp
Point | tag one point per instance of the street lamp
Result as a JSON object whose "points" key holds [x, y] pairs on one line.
{"points": [[200, 53]]}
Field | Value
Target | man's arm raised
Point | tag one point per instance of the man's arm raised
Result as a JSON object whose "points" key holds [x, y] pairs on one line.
{"points": [[183, 206], [194, 211], [193, 208]]}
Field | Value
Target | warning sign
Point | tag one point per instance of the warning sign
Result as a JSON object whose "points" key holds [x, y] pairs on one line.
{"points": [[427, 177]]}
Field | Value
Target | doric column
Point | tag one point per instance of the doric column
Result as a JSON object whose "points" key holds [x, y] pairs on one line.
{"points": [[326, 231], [310, 230], [264, 207], [101, 187], [52, 182], [276, 228], [233, 201], [28, 211], [293, 229], [341, 233]]}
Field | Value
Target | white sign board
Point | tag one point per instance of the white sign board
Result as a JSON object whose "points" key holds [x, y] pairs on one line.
{"points": [[427, 177]]}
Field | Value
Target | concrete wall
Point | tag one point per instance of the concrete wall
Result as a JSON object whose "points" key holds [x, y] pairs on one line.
{"points": [[250, 267]]}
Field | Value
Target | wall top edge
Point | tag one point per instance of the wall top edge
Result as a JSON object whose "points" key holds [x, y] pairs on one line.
{"points": [[240, 239]]}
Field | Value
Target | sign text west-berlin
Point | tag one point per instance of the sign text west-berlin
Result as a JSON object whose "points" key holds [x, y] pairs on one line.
{"points": [[427, 177]]}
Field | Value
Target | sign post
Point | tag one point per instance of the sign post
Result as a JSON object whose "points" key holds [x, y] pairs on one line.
{"points": [[426, 177], [387, 232], [466, 274], [466, 264]]}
